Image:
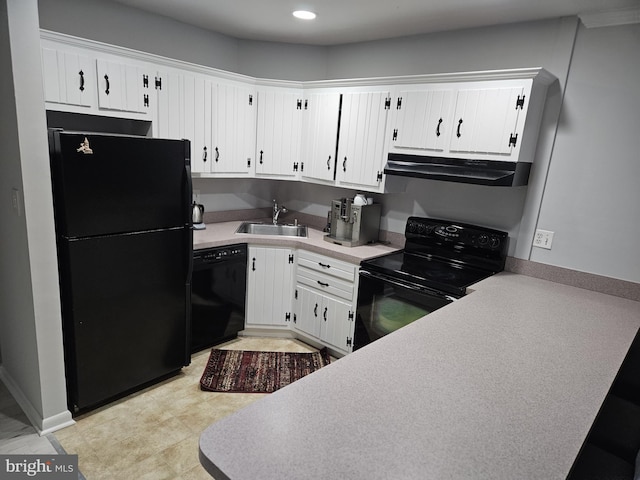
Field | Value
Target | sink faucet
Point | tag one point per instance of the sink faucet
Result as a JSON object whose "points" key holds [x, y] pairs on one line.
{"points": [[277, 211]]}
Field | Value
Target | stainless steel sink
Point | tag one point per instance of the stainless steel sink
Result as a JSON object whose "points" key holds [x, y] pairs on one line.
{"points": [[271, 229]]}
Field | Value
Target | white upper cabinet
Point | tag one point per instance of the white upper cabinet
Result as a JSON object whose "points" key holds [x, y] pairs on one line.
{"points": [[69, 77], [184, 111], [320, 136], [278, 136], [486, 119], [344, 133], [363, 123], [123, 86], [234, 113], [423, 119], [476, 120]]}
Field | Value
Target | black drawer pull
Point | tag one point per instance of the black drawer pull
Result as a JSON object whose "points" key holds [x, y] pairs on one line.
{"points": [[438, 128], [81, 73], [106, 77], [458, 134], [324, 265], [315, 310], [325, 314], [253, 264], [322, 284]]}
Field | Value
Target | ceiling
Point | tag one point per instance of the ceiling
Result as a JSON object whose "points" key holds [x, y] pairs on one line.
{"points": [[348, 21]]}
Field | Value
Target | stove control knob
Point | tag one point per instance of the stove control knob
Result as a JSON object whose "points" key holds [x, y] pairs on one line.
{"points": [[421, 228], [483, 240], [411, 226], [495, 242]]}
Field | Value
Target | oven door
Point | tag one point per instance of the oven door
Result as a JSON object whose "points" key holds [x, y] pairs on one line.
{"points": [[386, 304]]}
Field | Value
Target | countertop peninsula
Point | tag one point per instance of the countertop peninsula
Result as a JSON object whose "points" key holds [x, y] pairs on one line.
{"points": [[501, 384]]}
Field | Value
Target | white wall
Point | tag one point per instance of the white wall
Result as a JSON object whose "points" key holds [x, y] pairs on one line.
{"points": [[592, 196], [30, 319]]}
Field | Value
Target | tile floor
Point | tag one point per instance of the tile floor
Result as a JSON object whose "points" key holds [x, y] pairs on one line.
{"points": [[153, 434]]}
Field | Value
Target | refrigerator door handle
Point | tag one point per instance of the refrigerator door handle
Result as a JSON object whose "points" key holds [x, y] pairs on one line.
{"points": [[188, 231]]}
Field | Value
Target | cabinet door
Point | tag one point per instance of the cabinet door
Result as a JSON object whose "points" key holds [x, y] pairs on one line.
{"points": [[486, 120], [361, 159], [123, 87], [234, 129], [69, 78], [278, 133], [320, 135], [336, 324], [269, 286], [422, 120], [184, 111], [308, 311]]}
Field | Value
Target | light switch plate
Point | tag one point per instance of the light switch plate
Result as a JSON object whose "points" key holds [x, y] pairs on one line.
{"points": [[543, 239], [15, 201]]}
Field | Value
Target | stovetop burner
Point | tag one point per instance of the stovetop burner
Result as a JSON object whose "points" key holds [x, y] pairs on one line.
{"points": [[444, 256]]}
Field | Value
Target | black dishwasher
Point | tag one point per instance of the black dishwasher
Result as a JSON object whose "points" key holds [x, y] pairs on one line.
{"points": [[218, 288]]}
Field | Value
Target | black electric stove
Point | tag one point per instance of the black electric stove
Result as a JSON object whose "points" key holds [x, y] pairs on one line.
{"points": [[444, 256], [440, 260]]}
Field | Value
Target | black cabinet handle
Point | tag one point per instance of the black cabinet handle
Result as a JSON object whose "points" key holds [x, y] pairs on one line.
{"points": [[458, 130], [261, 152], [217, 155], [438, 128], [324, 265], [344, 165], [322, 284], [315, 310], [81, 73], [106, 77], [253, 264], [325, 314], [204, 154], [328, 165]]}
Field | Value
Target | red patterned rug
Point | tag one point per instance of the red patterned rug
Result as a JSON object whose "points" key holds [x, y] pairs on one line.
{"points": [[242, 371]]}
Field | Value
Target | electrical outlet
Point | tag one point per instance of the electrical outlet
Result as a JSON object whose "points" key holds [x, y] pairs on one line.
{"points": [[196, 196], [543, 239]]}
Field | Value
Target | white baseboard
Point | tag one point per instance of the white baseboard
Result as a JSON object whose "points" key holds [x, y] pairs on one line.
{"points": [[43, 425]]}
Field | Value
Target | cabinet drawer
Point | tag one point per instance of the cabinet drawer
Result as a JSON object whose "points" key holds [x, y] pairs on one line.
{"points": [[328, 266], [324, 283]]}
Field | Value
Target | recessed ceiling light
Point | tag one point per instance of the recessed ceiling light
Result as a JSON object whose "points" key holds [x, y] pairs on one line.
{"points": [[304, 14]]}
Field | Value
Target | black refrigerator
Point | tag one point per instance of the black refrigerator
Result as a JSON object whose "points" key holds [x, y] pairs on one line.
{"points": [[124, 241]]}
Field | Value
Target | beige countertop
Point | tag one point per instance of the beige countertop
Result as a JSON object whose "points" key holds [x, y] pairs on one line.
{"points": [[501, 384], [217, 234]]}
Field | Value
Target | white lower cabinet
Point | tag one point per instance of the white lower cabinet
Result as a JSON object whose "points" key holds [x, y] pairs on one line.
{"points": [[270, 273], [324, 300]]}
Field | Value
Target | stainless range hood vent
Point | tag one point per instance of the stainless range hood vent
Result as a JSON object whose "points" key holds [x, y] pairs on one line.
{"points": [[478, 172]]}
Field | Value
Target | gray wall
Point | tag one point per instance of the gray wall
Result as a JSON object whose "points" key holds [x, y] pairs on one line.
{"points": [[592, 195], [110, 22], [30, 323]]}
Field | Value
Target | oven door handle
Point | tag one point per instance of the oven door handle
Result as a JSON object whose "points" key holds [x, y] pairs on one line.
{"points": [[409, 286]]}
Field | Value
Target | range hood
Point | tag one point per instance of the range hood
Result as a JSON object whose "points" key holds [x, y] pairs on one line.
{"points": [[478, 172]]}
